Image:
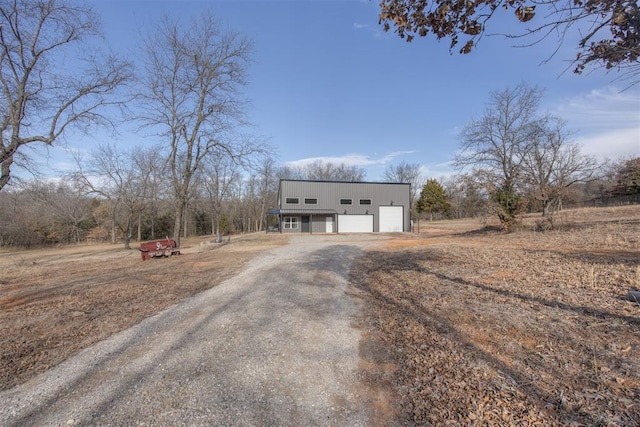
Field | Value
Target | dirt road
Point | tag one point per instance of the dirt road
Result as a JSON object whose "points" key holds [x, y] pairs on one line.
{"points": [[274, 345]]}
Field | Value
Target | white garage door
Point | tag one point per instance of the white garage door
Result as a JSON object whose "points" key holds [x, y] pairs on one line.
{"points": [[391, 218], [355, 223]]}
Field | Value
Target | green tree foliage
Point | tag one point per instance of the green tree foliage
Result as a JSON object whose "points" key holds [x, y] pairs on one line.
{"points": [[627, 179], [433, 199], [508, 205], [609, 30], [225, 227]]}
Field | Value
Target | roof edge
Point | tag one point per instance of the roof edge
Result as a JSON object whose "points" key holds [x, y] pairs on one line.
{"points": [[344, 182]]}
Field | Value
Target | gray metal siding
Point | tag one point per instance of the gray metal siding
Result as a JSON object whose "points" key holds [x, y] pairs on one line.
{"points": [[330, 193], [317, 223]]}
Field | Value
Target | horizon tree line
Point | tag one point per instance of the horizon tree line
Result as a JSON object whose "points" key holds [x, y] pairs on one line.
{"points": [[208, 174], [229, 200]]}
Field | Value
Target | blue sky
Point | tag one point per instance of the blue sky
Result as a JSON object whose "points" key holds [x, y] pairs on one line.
{"points": [[327, 83]]}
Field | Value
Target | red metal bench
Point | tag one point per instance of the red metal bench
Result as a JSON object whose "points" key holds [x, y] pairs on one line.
{"points": [[157, 248]]}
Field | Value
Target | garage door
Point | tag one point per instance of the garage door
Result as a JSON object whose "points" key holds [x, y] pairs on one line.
{"points": [[391, 218], [355, 223]]}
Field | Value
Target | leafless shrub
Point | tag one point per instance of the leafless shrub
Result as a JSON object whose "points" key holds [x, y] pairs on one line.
{"points": [[544, 224]]}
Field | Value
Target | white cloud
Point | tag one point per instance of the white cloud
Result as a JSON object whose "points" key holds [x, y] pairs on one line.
{"points": [[376, 164], [437, 171], [603, 109], [612, 144], [358, 26], [56, 160], [607, 121], [351, 159], [64, 166]]}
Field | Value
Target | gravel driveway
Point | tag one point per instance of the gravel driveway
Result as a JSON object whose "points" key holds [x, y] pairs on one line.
{"points": [[275, 345]]}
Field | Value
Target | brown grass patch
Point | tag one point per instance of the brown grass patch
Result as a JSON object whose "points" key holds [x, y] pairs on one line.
{"points": [[525, 328], [55, 302]]}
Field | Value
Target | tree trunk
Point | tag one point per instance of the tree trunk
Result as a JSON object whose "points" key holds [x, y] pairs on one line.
{"points": [[154, 215], [262, 208], [127, 233], [184, 231], [177, 225], [139, 227], [113, 227]]}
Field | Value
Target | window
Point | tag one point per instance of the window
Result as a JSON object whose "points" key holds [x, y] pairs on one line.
{"points": [[292, 200], [310, 201], [365, 201], [290, 222], [346, 201]]}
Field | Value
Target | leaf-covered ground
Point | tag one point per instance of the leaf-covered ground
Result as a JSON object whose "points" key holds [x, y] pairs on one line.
{"points": [[478, 327]]}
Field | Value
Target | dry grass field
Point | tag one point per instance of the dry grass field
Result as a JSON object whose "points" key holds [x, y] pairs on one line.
{"points": [[57, 301], [475, 327], [462, 324]]}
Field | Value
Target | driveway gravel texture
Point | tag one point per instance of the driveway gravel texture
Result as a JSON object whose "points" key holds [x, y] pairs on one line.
{"points": [[275, 345]]}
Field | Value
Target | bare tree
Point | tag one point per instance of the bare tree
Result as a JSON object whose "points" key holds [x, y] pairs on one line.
{"points": [[552, 164], [267, 174], [70, 209], [407, 173], [192, 80], [220, 175], [328, 171], [116, 177], [55, 212], [495, 145], [517, 153], [466, 196], [290, 172], [41, 94], [152, 169], [251, 203]]}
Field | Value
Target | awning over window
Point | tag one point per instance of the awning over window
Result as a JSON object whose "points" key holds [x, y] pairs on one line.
{"points": [[302, 212]]}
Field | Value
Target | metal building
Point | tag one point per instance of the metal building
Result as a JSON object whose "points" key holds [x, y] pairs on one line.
{"points": [[342, 207]]}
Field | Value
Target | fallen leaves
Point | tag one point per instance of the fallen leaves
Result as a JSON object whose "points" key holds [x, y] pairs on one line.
{"points": [[519, 329]]}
